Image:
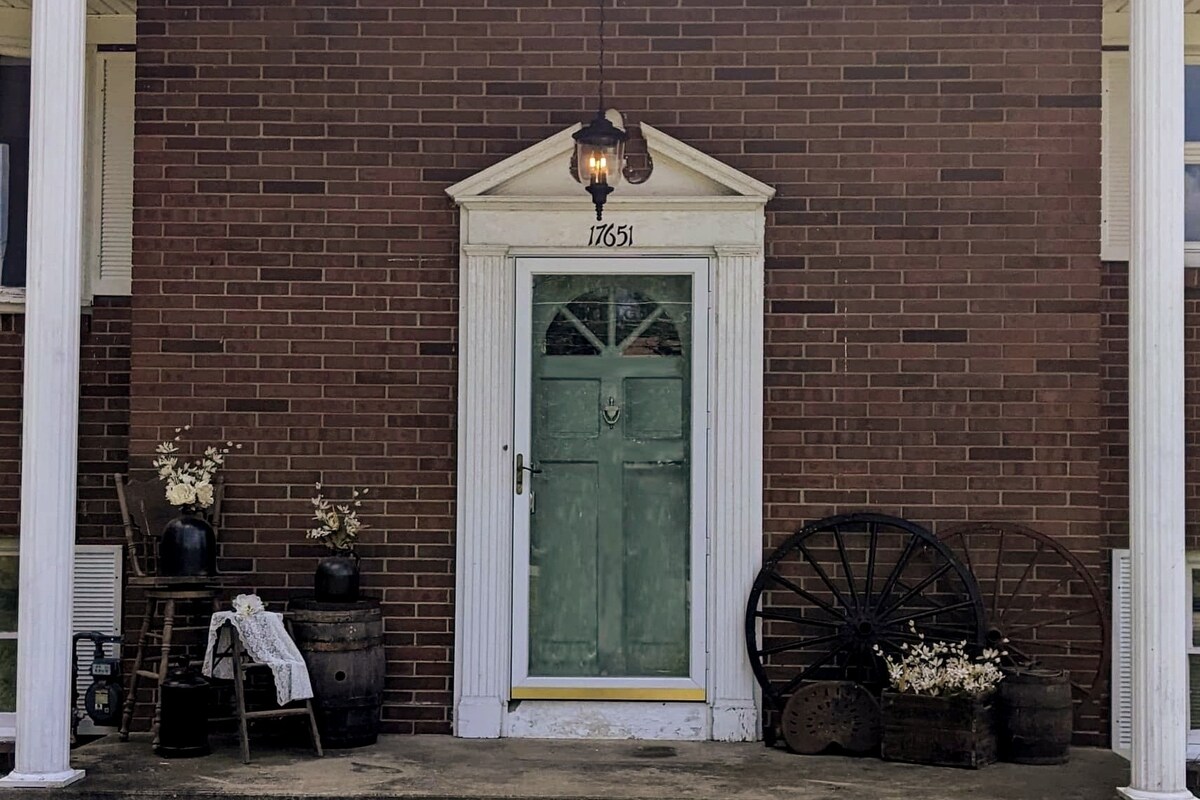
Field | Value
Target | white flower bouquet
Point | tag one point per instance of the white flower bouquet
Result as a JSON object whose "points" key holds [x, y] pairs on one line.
{"points": [[940, 669], [189, 484], [338, 525]]}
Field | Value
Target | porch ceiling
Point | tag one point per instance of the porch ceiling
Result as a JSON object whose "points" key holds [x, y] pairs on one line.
{"points": [[1122, 6], [96, 8]]}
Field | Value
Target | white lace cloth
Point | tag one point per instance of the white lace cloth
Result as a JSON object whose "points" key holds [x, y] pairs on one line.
{"points": [[266, 641]]}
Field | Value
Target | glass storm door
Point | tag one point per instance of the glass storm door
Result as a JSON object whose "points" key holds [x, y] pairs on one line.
{"points": [[607, 488]]}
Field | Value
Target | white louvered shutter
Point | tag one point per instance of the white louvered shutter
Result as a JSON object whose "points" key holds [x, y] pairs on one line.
{"points": [[113, 244], [1114, 157], [96, 605], [1122, 653]]}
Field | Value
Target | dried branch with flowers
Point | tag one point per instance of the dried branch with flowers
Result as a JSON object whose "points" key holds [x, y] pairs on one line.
{"points": [[939, 669], [190, 483], [338, 524]]}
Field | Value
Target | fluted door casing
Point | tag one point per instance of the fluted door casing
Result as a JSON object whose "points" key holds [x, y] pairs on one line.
{"points": [[483, 579], [736, 531]]}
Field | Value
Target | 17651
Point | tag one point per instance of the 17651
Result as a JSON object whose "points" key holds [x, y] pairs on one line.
{"points": [[610, 236]]}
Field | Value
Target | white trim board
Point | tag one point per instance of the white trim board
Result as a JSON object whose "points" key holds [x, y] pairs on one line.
{"points": [[692, 205]]}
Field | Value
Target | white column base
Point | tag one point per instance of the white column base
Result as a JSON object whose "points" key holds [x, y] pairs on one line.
{"points": [[46, 780], [734, 721], [479, 718], [1139, 794]]}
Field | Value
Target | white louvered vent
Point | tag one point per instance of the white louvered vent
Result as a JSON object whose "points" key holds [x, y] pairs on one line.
{"points": [[1114, 157], [114, 147], [1122, 653], [96, 605]]}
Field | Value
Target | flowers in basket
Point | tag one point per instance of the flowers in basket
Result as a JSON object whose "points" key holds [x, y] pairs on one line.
{"points": [[338, 524], [941, 669], [189, 484]]}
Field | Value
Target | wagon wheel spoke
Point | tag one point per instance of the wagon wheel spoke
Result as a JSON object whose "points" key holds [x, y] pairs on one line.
{"points": [[901, 563], [933, 576], [1020, 584], [808, 556], [841, 546], [799, 644], [1069, 648], [785, 583], [996, 576], [783, 616], [1037, 601], [871, 548], [809, 670], [929, 612], [1061, 618]]}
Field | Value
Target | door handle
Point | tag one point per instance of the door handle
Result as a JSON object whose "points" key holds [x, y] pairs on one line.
{"points": [[521, 470]]}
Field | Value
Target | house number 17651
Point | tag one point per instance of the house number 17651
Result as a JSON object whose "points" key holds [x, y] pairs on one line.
{"points": [[610, 236]]}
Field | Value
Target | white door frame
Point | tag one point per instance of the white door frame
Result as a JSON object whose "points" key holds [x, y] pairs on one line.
{"points": [[692, 688], [527, 205]]}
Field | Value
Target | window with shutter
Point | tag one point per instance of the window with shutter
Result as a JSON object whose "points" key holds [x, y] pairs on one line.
{"points": [[1116, 151], [111, 255], [1114, 158]]}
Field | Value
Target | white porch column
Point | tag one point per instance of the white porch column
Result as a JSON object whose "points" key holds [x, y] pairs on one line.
{"points": [[51, 396], [735, 474], [1156, 395], [483, 583]]}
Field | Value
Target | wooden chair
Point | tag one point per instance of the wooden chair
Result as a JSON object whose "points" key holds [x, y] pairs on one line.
{"points": [[243, 664], [145, 512]]}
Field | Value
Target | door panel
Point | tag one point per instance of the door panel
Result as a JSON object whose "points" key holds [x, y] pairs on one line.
{"points": [[656, 568], [562, 573], [610, 507]]}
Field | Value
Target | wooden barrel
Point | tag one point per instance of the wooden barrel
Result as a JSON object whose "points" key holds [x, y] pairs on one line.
{"points": [[342, 643], [1036, 716]]}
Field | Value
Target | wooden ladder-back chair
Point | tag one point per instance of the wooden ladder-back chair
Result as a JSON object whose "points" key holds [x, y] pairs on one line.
{"points": [[145, 512]]}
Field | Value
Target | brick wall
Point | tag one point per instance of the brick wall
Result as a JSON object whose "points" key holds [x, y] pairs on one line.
{"points": [[103, 424], [933, 273]]}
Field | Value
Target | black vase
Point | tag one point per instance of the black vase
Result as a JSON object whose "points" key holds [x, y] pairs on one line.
{"points": [[336, 579], [188, 548]]}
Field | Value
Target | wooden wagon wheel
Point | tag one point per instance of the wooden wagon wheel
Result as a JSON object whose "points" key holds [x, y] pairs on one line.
{"points": [[1042, 604], [842, 585]]}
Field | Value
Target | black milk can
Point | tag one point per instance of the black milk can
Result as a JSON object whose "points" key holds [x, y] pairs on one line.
{"points": [[183, 722]]}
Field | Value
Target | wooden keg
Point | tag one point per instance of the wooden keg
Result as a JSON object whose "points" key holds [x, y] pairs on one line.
{"points": [[1036, 716], [342, 644]]}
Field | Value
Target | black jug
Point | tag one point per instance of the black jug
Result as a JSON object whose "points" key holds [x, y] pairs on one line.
{"points": [[336, 579], [188, 548]]}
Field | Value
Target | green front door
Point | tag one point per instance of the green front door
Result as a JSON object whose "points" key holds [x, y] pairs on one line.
{"points": [[610, 509]]}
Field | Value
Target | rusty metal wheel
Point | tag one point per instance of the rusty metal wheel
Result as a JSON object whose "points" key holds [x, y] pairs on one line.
{"points": [[842, 585], [1042, 604]]}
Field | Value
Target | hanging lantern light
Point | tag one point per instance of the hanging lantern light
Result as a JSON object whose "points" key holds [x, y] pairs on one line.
{"points": [[599, 159]]}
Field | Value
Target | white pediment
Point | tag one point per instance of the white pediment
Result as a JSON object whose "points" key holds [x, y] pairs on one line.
{"points": [[541, 173]]}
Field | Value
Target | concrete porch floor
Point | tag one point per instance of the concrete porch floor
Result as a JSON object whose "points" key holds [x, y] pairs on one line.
{"points": [[441, 767]]}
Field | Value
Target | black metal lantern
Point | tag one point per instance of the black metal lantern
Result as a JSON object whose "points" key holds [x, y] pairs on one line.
{"points": [[599, 159]]}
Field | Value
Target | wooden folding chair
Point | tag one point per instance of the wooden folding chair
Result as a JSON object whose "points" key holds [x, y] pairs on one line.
{"points": [[243, 664]]}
